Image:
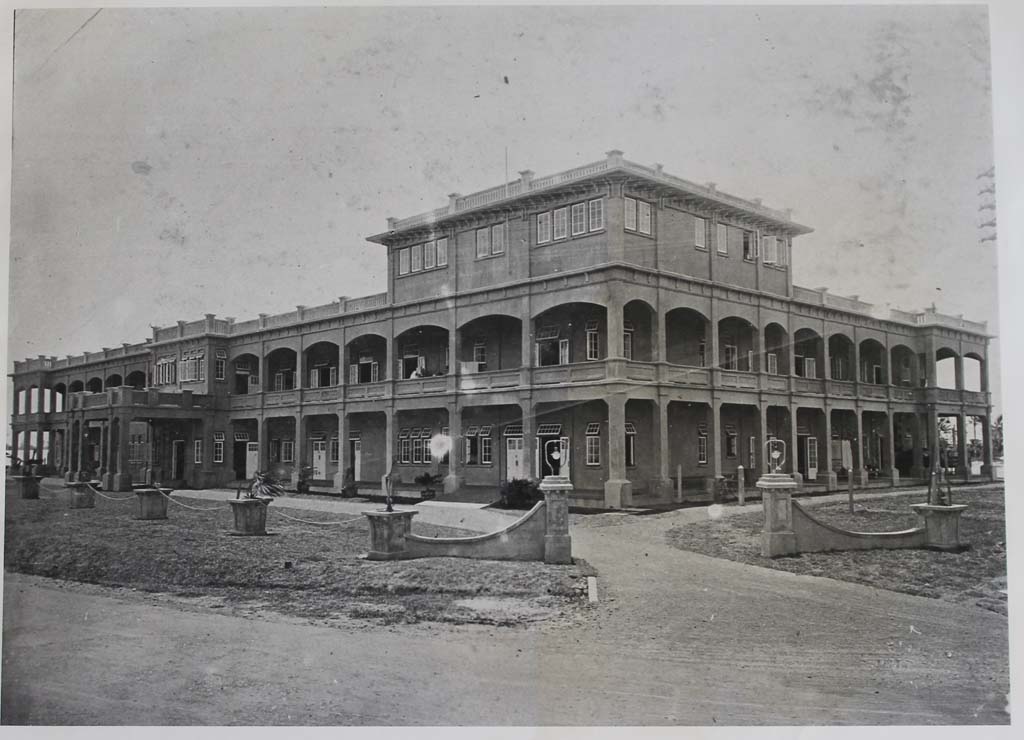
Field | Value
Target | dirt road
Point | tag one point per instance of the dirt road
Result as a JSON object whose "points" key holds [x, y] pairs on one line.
{"points": [[677, 639]]}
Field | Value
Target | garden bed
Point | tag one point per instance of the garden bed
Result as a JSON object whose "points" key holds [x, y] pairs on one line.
{"points": [[977, 576], [300, 569]]}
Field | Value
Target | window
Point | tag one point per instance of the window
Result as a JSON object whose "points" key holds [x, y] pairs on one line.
{"points": [[700, 231], [442, 252], [498, 239], [483, 243], [563, 351], [644, 217], [627, 344], [593, 449], [783, 248], [288, 451], [417, 451], [722, 239], [198, 451], [702, 448], [769, 248], [773, 363], [543, 228], [752, 453], [220, 369], [596, 215], [593, 345], [333, 375], [579, 219], [429, 256], [810, 367], [731, 444], [630, 444], [702, 358], [218, 447], [404, 447], [403, 261], [561, 225], [485, 450], [593, 341], [480, 356], [838, 368], [417, 258], [630, 214], [731, 357], [749, 246]]}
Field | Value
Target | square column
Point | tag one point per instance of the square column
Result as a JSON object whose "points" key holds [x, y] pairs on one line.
{"points": [[618, 491], [389, 446], [831, 479], [761, 456], [452, 481], [917, 465], [964, 465], [794, 449], [123, 478], [862, 471], [298, 453], [664, 481], [894, 472], [343, 455], [529, 435]]}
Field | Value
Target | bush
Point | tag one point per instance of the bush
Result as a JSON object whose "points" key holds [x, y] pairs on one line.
{"points": [[520, 493]]}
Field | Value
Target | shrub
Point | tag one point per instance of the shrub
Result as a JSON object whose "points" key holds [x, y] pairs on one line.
{"points": [[520, 493]]}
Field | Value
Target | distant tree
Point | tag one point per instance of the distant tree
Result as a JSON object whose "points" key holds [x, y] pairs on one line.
{"points": [[997, 437]]}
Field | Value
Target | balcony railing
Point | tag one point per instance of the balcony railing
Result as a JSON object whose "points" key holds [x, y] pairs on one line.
{"points": [[808, 385], [322, 395], [493, 380], [643, 371], [581, 372], [841, 388], [775, 383], [247, 401], [281, 398], [736, 379], [686, 375], [869, 390], [421, 386], [365, 391]]}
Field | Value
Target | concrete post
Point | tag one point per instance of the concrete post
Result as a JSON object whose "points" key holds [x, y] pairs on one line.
{"points": [[389, 446], [894, 472], [557, 542], [343, 454], [618, 491], [387, 534], [715, 443], [862, 471], [778, 537], [794, 448], [831, 479], [741, 486], [963, 467], [452, 481], [763, 411], [299, 451], [987, 469], [664, 482], [123, 478], [917, 465]]}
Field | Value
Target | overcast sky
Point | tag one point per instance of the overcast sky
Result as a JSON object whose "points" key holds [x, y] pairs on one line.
{"points": [[173, 162]]}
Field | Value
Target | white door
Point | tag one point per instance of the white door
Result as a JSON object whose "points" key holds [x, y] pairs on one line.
{"points": [[357, 459], [319, 459], [812, 458], [252, 459], [515, 459]]}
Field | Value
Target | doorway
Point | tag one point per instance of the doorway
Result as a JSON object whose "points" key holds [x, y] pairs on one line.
{"points": [[178, 459], [319, 459]]}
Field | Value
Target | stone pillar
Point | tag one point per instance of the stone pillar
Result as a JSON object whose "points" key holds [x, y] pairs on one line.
{"points": [[452, 481], [958, 369], [104, 447], [891, 430], [389, 445], [741, 485], [777, 538], [862, 471], [715, 443], [664, 481], [831, 479], [615, 322], [658, 346], [264, 440], [387, 534], [917, 464], [343, 454], [299, 452], [963, 467], [81, 446], [762, 458], [941, 525], [794, 447], [987, 469], [123, 479], [557, 542], [618, 491]]}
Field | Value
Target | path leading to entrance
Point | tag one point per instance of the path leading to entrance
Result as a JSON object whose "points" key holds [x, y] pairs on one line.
{"points": [[677, 638]]}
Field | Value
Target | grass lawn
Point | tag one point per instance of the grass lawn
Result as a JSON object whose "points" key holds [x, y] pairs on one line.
{"points": [[300, 569], [976, 576]]}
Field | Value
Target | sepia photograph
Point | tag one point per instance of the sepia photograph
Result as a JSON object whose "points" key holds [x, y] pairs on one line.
{"points": [[505, 366]]}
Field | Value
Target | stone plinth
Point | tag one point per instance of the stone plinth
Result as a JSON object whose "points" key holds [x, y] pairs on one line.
{"points": [[27, 486], [557, 542], [778, 537], [387, 534], [618, 494], [942, 525], [82, 496], [831, 481], [121, 482], [152, 503], [250, 515]]}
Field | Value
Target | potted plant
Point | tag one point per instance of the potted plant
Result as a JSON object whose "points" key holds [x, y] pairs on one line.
{"points": [[305, 476], [519, 493], [427, 481], [250, 509]]}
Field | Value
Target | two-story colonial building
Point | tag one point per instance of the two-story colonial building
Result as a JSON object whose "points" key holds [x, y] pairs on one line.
{"points": [[634, 330]]}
